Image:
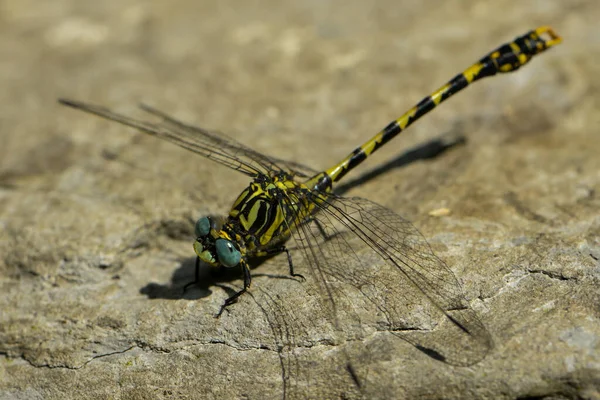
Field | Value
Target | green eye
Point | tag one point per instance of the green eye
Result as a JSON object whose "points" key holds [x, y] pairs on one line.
{"points": [[227, 254], [202, 227]]}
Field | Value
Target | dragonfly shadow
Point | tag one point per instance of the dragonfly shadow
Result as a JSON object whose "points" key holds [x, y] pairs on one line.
{"points": [[425, 151], [182, 276], [208, 277]]}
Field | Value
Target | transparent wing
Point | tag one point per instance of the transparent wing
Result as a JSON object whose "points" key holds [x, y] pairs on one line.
{"points": [[212, 145], [307, 372], [394, 283]]}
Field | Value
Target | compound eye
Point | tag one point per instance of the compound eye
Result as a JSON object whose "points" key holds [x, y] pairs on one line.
{"points": [[202, 227], [227, 254]]}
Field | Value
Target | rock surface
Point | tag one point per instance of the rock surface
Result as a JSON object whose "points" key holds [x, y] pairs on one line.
{"points": [[96, 220]]}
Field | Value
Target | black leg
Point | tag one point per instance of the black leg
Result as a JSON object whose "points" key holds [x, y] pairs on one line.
{"points": [[232, 299], [197, 276], [289, 257], [276, 250]]}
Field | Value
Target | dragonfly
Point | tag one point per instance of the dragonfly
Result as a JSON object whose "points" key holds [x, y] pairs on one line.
{"points": [[288, 200]]}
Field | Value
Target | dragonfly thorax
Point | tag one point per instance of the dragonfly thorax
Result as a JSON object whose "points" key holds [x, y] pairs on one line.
{"points": [[267, 209]]}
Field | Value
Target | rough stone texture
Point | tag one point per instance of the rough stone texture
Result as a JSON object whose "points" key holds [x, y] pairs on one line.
{"points": [[95, 220]]}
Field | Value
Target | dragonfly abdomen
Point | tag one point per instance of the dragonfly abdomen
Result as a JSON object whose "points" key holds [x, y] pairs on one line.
{"points": [[506, 58]]}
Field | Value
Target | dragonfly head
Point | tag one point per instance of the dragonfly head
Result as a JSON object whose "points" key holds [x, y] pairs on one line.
{"points": [[214, 246]]}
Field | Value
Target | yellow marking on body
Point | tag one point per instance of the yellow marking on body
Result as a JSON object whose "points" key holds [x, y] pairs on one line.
{"points": [[253, 214], [515, 48], [288, 184], [270, 232], [337, 169], [471, 73], [234, 212], [439, 94], [370, 145], [523, 58], [282, 185], [540, 46], [403, 120], [222, 235]]}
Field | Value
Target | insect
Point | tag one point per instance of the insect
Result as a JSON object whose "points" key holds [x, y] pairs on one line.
{"points": [[286, 200]]}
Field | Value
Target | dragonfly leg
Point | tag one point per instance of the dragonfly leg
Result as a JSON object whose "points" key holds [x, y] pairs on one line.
{"points": [[289, 257], [282, 249], [196, 274], [232, 299]]}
